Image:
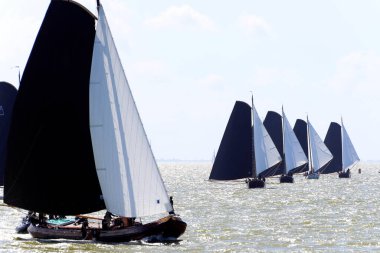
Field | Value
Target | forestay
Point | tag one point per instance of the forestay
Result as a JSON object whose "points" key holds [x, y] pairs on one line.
{"points": [[129, 177], [320, 154], [294, 155], [266, 154], [349, 155]]}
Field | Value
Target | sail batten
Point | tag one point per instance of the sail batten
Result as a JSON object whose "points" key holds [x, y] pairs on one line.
{"points": [[131, 183]]}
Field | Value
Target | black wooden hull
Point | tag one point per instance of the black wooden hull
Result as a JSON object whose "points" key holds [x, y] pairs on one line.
{"points": [[346, 174], [255, 183], [286, 179], [170, 227]]}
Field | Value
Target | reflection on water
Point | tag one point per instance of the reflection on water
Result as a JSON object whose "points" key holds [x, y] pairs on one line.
{"points": [[325, 215]]}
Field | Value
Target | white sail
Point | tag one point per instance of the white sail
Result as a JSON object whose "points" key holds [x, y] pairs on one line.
{"points": [[294, 155], [349, 155], [129, 177], [266, 154], [320, 154]]}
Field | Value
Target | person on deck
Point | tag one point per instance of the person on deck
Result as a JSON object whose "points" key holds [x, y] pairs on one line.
{"points": [[172, 203], [106, 222]]}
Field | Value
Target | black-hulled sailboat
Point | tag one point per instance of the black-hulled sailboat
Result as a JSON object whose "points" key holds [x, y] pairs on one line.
{"points": [[318, 154], [77, 144], [345, 156], [293, 157], [7, 98], [349, 155], [246, 149]]}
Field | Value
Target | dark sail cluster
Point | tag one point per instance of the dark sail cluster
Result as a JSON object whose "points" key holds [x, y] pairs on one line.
{"points": [[234, 162]]}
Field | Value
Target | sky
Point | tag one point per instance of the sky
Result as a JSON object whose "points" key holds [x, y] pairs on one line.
{"points": [[187, 62]]}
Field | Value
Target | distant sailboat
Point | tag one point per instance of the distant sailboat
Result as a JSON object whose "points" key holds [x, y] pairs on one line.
{"points": [[349, 155], [319, 155], [7, 98], [287, 144], [335, 137], [293, 156], [246, 149], [77, 144]]}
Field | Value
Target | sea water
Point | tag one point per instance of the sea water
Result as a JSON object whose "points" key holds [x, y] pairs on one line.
{"points": [[324, 215]]}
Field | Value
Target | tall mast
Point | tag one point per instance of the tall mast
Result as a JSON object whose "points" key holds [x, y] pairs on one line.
{"points": [[253, 140], [97, 4], [309, 146], [283, 138]]}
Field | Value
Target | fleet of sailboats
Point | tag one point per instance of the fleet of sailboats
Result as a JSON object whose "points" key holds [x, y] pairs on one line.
{"points": [[74, 143], [233, 158], [246, 149]]}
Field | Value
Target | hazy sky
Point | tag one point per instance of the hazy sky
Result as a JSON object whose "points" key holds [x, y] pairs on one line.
{"points": [[187, 63]]}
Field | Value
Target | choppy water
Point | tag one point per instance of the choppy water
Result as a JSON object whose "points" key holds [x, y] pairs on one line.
{"points": [[325, 215]]}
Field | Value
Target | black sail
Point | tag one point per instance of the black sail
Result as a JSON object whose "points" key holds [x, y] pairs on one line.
{"points": [[300, 130], [333, 141], [234, 157], [7, 98], [273, 124], [50, 164]]}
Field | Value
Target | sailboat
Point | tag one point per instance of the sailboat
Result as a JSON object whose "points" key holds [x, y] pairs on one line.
{"points": [[293, 155], [246, 149], [7, 98], [77, 144], [349, 155], [319, 155], [287, 144]]}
